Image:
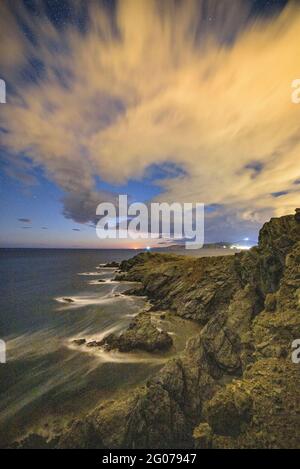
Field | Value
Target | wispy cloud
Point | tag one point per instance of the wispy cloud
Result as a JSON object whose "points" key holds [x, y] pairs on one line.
{"points": [[155, 83]]}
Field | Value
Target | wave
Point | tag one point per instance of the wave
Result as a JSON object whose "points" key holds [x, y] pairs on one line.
{"points": [[90, 274], [104, 266], [86, 300], [109, 281], [113, 356], [103, 281]]}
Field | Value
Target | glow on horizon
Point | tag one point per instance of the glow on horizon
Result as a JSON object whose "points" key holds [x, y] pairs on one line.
{"points": [[240, 247], [204, 128]]}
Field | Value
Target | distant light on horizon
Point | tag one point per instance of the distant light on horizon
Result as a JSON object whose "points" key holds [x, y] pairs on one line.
{"points": [[240, 247]]}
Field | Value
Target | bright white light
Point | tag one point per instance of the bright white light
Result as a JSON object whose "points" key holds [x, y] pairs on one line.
{"points": [[246, 239], [239, 247], [148, 248]]}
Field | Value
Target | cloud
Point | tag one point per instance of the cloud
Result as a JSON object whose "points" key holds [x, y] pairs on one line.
{"points": [[155, 83], [24, 220], [81, 205], [75, 229]]}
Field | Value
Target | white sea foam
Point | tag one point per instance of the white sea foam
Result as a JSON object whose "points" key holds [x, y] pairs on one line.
{"points": [[118, 357], [104, 266], [133, 315], [112, 356], [103, 281], [81, 301], [93, 337], [109, 281], [90, 274]]}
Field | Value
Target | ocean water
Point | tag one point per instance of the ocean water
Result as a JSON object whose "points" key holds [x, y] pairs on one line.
{"points": [[47, 380]]}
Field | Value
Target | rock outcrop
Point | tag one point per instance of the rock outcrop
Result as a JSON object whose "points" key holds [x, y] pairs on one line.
{"points": [[140, 335], [235, 385]]}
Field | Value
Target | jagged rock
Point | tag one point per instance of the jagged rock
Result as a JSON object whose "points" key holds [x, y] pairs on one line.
{"points": [[68, 300], [79, 341], [228, 410], [94, 343], [106, 427], [263, 266], [35, 441], [120, 277], [191, 287], [140, 335], [248, 305], [288, 295], [203, 435], [273, 385], [155, 410], [111, 264], [82, 435], [270, 302], [135, 292]]}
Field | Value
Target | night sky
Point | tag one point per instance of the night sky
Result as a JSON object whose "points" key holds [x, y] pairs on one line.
{"points": [[184, 101]]}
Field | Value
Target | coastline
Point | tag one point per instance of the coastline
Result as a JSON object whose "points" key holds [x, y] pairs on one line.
{"points": [[234, 385]]}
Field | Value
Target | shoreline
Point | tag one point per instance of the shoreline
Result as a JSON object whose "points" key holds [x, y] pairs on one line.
{"points": [[234, 384], [222, 391]]}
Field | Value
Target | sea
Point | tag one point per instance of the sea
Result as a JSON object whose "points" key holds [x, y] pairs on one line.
{"points": [[48, 299]]}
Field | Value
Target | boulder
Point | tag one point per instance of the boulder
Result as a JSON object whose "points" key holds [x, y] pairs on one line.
{"points": [[140, 335], [94, 343], [79, 341], [112, 264], [68, 300]]}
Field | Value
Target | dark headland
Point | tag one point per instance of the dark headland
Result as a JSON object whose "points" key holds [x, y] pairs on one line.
{"points": [[235, 385]]}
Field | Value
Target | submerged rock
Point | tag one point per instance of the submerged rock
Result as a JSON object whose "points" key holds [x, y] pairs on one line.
{"points": [[111, 264], [94, 343], [68, 300], [79, 341]]}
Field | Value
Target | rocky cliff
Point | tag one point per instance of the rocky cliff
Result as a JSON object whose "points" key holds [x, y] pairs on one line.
{"points": [[235, 385]]}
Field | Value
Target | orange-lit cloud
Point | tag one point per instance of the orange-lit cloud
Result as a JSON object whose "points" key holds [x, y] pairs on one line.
{"points": [[154, 84]]}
